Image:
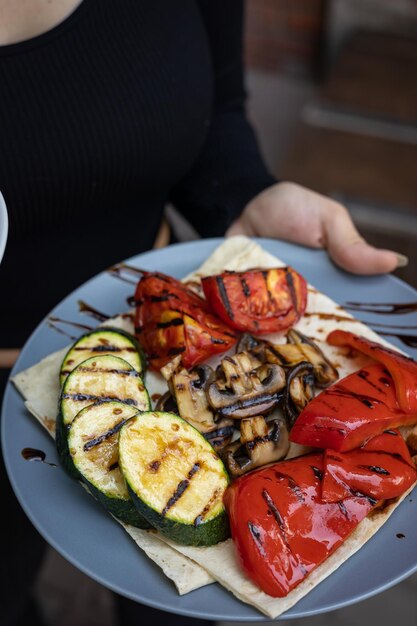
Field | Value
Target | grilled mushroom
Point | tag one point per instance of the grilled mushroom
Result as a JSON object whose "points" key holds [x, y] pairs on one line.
{"points": [[171, 367], [261, 442], [222, 434], [299, 390], [301, 348], [189, 390], [245, 387], [253, 345], [167, 403]]}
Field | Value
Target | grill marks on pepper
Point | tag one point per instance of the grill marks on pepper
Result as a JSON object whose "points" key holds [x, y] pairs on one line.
{"points": [[291, 288], [256, 536], [281, 525], [272, 507], [181, 488], [376, 469], [177, 321], [224, 296]]}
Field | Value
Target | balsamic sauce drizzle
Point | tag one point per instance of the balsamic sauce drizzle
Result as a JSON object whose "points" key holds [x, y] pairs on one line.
{"points": [[33, 454], [383, 308]]}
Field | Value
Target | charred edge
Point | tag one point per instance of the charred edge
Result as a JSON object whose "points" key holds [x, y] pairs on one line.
{"points": [[82, 397], [343, 509], [194, 470], [245, 287], [317, 473], [178, 321], [200, 517], [271, 436], [256, 536], [221, 433], [154, 466], [360, 494], [104, 348], [376, 469], [223, 296], [342, 392], [272, 507], [364, 376], [251, 402], [395, 455], [163, 298], [182, 486], [265, 277], [216, 340], [175, 351], [291, 288], [280, 357], [385, 381], [101, 370], [293, 486], [98, 440]]}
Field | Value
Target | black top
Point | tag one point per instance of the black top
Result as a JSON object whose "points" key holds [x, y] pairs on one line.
{"points": [[103, 119]]}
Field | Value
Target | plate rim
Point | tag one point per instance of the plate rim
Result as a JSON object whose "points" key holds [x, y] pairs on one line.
{"points": [[107, 583]]}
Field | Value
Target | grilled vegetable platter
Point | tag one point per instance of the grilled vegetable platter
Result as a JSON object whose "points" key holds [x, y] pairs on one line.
{"points": [[238, 421]]}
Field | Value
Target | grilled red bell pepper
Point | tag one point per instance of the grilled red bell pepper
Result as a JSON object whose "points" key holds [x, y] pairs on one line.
{"points": [[403, 369], [171, 319], [281, 529], [355, 408], [257, 301], [380, 469]]}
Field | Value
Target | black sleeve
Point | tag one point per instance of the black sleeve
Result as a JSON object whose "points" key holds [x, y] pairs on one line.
{"points": [[229, 171]]}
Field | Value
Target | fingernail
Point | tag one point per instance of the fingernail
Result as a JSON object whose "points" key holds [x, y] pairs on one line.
{"points": [[402, 260]]}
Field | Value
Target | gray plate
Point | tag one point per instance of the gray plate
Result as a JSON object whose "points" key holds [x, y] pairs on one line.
{"points": [[75, 525]]}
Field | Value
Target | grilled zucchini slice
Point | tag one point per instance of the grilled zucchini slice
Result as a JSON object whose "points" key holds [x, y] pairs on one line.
{"points": [[97, 380], [103, 341], [93, 444], [175, 478]]}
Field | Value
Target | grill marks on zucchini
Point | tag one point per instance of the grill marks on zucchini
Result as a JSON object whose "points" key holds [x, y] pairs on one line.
{"points": [[175, 478], [93, 443], [102, 379], [103, 341], [98, 380]]}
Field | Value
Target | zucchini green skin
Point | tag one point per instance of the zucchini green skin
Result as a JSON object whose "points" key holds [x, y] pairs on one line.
{"points": [[208, 534], [119, 343], [98, 425], [196, 532], [64, 416], [124, 511]]}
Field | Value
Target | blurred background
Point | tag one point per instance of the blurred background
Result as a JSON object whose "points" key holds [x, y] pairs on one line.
{"points": [[332, 93]]}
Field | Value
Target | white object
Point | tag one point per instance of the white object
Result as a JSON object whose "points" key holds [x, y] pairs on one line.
{"points": [[4, 226]]}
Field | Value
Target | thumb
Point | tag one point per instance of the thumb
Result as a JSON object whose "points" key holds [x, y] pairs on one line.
{"points": [[351, 252]]}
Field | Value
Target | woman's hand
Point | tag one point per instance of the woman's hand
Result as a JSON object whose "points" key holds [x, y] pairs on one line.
{"points": [[294, 213]]}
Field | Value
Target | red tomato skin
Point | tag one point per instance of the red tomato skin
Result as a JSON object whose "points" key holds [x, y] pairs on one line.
{"points": [[403, 369], [257, 301], [281, 529], [171, 319], [351, 411], [381, 469]]}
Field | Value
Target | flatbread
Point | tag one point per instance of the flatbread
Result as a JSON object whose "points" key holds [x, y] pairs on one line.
{"points": [[39, 386]]}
